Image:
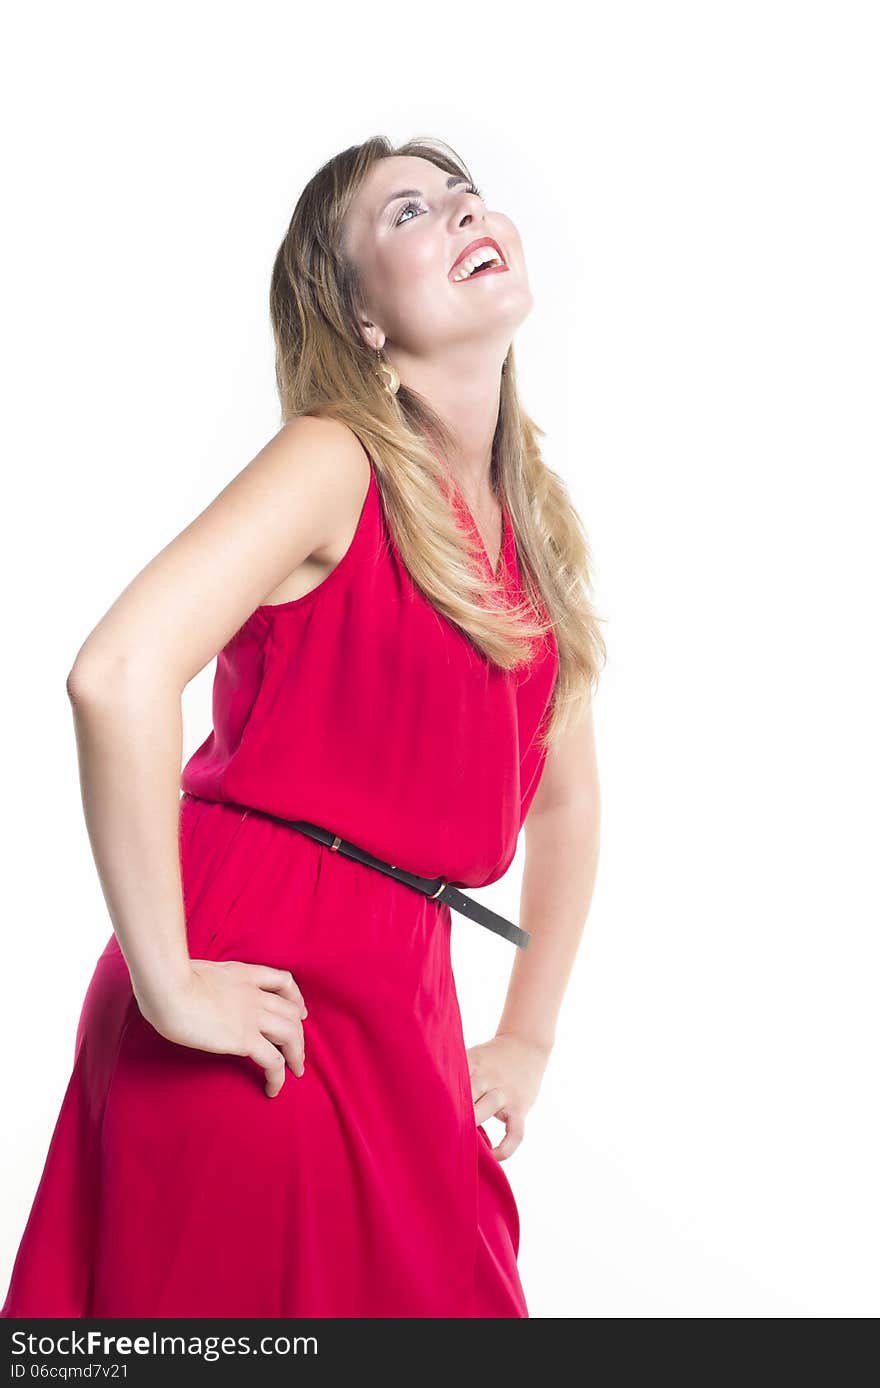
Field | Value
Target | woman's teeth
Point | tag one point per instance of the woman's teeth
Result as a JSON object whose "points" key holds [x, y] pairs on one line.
{"points": [[477, 261]]}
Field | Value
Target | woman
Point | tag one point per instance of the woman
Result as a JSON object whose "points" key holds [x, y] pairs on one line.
{"points": [[396, 586]]}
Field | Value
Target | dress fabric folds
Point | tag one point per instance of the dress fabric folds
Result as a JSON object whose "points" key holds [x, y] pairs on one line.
{"points": [[173, 1186]]}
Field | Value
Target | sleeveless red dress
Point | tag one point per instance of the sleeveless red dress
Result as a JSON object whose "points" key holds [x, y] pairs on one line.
{"points": [[173, 1185]]}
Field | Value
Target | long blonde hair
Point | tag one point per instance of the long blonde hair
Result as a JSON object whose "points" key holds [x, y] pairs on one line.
{"points": [[324, 367]]}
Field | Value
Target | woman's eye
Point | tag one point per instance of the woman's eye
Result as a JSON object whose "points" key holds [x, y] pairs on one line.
{"points": [[417, 206], [407, 207]]}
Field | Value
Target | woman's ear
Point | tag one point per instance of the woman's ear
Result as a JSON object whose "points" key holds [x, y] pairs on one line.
{"points": [[372, 334]]}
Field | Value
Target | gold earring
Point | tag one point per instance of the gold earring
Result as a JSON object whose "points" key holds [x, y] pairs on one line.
{"points": [[387, 374]]}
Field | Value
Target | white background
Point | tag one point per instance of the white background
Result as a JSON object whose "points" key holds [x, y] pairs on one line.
{"points": [[696, 187]]}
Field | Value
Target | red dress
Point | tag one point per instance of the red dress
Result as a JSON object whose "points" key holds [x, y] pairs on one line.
{"points": [[173, 1185]]}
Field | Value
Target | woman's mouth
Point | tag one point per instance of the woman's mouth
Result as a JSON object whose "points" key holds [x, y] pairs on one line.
{"points": [[482, 257]]}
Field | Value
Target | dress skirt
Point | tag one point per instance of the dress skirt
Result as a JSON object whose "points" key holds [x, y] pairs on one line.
{"points": [[174, 1186]]}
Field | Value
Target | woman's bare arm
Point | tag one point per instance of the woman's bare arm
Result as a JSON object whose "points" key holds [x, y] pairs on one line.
{"points": [[300, 496], [562, 854]]}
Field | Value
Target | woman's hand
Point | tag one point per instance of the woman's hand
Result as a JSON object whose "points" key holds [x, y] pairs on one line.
{"points": [[233, 1008], [506, 1075]]}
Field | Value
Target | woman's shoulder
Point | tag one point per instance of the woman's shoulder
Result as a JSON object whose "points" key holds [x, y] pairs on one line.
{"points": [[324, 464], [330, 445], [335, 450], [332, 448]]}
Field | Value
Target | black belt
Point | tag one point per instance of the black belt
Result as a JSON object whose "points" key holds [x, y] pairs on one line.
{"points": [[437, 888]]}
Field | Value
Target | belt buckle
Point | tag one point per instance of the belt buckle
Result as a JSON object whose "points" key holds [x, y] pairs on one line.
{"points": [[444, 883]]}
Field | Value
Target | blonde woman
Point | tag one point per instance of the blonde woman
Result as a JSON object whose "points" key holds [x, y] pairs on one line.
{"points": [[272, 1111]]}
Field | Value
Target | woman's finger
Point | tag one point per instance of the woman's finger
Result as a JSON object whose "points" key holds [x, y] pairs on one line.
{"points": [[270, 1059], [287, 1034], [512, 1138], [487, 1105], [283, 1007], [479, 1086], [277, 981]]}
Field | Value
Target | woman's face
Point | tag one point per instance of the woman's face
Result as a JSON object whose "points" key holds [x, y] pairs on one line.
{"points": [[404, 231]]}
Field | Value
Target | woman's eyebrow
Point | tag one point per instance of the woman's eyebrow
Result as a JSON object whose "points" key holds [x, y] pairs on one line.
{"points": [[417, 192]]}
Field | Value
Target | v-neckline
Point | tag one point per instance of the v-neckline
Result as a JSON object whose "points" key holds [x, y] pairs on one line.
{"points": [[505, 528]]}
